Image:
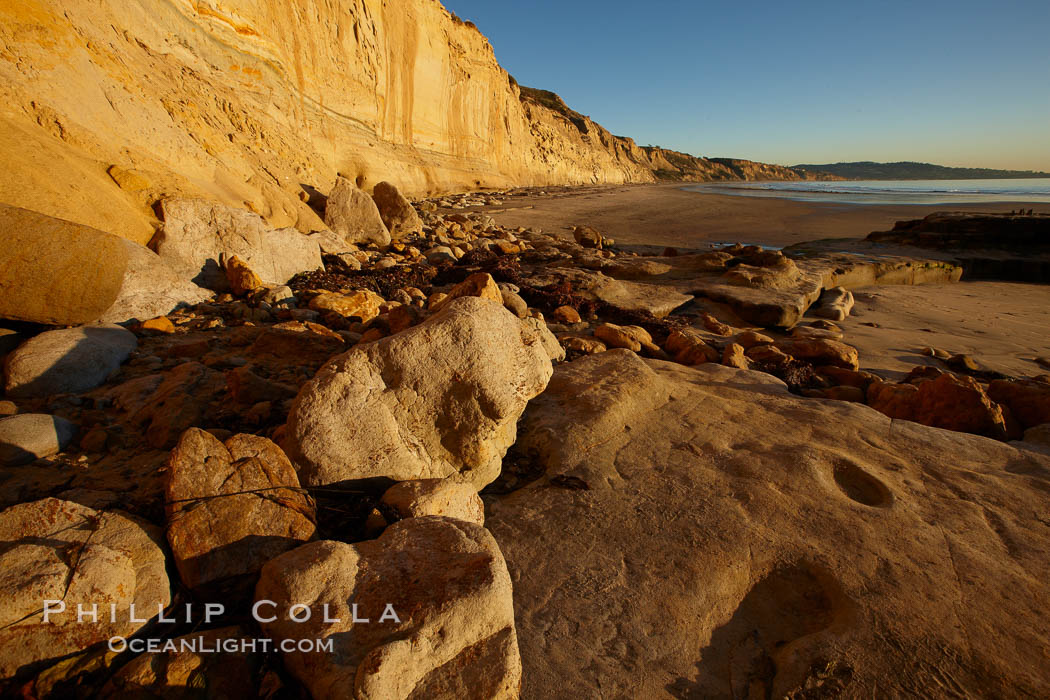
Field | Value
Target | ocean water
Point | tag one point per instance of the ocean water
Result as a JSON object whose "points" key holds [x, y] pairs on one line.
{"points": [[1035, 190]]}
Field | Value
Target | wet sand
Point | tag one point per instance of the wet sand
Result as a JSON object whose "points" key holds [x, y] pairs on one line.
{"points": [[665, 215]]}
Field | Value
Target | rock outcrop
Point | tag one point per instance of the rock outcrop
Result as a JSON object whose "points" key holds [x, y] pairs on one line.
{"points": [[445, 583], [550, 115], [959, 231], [995, 246], [674, 165], [764, 287], [438, 400], [778, 546], [657, 300]]}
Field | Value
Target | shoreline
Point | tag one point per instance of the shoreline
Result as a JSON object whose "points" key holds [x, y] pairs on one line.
{"points": [[870, 195], [664, 214], [993, 320]]}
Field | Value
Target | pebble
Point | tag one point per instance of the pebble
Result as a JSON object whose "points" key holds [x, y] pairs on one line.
{"points": [[515, 304], [733, 356], [750, 339], [160, 325], [628, 337], [962, 363], [715, 326], [566, 314]]}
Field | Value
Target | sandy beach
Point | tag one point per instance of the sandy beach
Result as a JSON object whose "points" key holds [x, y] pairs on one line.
{"points": [[666, 215], [1001, 324]]}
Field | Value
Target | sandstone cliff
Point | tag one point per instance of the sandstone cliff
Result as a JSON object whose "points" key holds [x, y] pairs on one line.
{"points": [[554, 123], [108, 106]]}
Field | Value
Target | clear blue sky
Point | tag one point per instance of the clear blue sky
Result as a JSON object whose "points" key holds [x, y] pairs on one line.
{"points": [[960, 83]]}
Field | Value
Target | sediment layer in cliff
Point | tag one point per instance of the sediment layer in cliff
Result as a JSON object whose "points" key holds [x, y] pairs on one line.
{"points": [[107, 107]]}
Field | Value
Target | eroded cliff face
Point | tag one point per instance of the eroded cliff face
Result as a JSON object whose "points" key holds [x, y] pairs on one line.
{"points": [[672, 165], [107, 106]]}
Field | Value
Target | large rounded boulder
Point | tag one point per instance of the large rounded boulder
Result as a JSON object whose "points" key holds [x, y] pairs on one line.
{"points": [[438, 400]]}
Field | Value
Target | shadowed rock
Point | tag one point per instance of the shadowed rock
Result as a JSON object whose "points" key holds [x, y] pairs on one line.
{"points": [[151, 288], [174, 675], [948, 401], [30, 436], [1028, 399], [396, 211], [69, 360], [962, 230]]}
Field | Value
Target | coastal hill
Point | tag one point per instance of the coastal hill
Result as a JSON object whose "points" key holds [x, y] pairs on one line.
{"points": [[908, 170], [111, 106], [665, 164]]}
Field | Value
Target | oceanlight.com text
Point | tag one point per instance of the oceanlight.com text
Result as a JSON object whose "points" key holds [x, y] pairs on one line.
{"points": [[204, 645]]}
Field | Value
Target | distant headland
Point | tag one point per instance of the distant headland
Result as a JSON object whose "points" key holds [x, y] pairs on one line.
{"points": [[909, 170]]}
